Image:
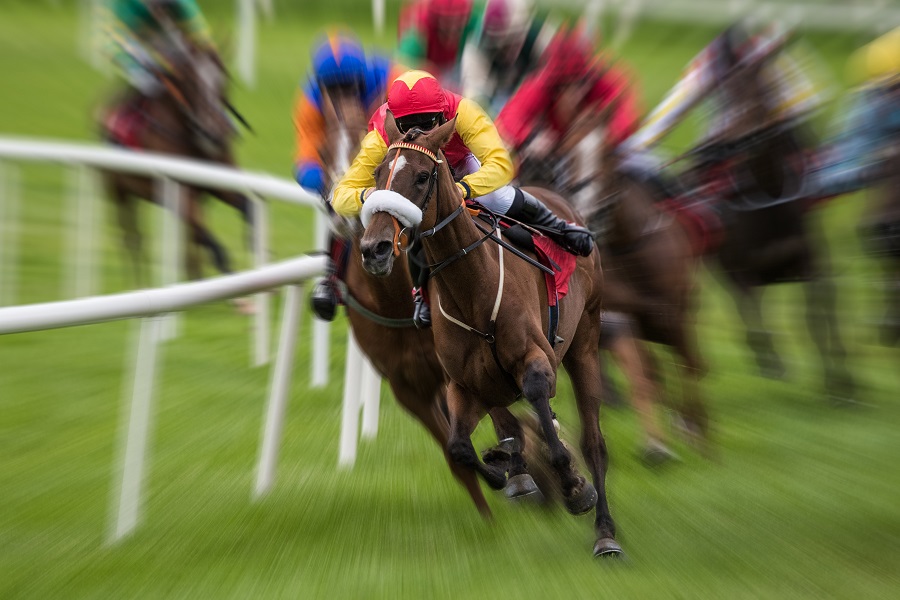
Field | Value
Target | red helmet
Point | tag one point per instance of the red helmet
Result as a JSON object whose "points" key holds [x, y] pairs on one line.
{"points": [[569, 57], [416, 92]]}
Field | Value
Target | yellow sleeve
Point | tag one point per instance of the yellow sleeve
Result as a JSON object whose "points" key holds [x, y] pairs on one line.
{"points": [[481, 137], [361, 175]]}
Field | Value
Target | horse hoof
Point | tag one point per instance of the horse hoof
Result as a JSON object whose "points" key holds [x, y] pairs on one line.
{"points": [[583, 501], [608, 548], [523, 486], [656, 454]]}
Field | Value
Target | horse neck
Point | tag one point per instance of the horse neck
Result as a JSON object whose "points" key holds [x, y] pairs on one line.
{"points": [[633, 213], [480, 268], [168, 126]]}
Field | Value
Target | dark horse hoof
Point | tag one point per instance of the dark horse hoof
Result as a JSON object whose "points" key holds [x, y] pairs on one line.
{"points": [[583, 501], [523, 487], [608, 548]]}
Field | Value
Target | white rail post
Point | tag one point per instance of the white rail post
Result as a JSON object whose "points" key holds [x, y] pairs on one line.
{"points": [[170, 198], [350, 410], [371, 399], [133, 437], [9, 233], [78, 257], [378, 15], [279, 391], [261, 326], [246, 45], [321, 329]]}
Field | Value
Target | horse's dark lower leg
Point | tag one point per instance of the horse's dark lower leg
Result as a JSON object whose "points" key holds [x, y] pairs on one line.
{"points": [[584, 373], [507, 427], [758, 337], [822, 323], [131, 235], [536, 385], [219, 255], [463, 420], [431, 415]]}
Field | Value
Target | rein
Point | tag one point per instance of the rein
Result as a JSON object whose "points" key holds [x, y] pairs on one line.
{"points": [[354, 304]]}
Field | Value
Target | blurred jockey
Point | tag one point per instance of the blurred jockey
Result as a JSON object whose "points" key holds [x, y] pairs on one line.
{"points": [[139, 38], [142, 36], [341, 76], [512, 40], [791, 96], [872, 127], [479, 160], [433, 33], [339, 67], [572, 85]]}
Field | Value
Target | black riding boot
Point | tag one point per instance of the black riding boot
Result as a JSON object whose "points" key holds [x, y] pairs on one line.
{"points": [[419, 272], [531, 211], [325, 299]]}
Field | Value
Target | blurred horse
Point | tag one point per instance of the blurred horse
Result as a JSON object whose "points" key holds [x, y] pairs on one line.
{"points": [[756, 171], [494, 356], [648, 264], [187, 118]]}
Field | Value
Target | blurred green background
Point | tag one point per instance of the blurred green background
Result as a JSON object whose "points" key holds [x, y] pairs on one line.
{"points": [[802, 501]]}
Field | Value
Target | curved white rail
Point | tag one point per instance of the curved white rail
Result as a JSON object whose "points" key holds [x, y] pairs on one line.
{"points": [[68, 313]]}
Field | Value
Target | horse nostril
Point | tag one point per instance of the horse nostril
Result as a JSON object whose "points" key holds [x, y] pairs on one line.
{"points": [[382, 249], [378, 251]]}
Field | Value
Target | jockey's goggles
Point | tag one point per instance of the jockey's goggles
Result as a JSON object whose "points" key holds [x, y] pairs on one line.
{"points": [[423, 121]]}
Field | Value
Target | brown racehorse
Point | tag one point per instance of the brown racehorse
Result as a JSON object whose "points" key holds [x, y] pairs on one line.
{"points": [[769, 237], [185, 119], [380, 312], [648, 266], [489, 320]]}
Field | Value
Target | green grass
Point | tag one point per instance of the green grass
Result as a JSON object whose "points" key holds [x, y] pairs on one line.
{"points": [[801, 503]]}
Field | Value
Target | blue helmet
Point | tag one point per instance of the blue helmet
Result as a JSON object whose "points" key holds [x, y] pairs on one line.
{"points": [[339, 60]]}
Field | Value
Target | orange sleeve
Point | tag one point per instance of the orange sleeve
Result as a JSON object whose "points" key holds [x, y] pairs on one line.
{"points": [[309, 126]]}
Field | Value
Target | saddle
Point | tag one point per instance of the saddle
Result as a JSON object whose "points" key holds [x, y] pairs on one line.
{"points": [[125, 122]]}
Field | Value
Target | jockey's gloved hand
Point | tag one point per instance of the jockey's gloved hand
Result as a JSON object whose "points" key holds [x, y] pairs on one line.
{"points": [[311, 177]]}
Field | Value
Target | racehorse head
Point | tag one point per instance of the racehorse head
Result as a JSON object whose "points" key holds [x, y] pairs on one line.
{"points": [[409, 183]]}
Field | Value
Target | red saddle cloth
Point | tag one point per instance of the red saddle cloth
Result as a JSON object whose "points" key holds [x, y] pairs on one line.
{"points": [[700, 221], [124, 124], [552, 255]]}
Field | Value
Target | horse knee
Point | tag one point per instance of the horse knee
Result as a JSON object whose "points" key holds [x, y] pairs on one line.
{"points": [[537, 383]]}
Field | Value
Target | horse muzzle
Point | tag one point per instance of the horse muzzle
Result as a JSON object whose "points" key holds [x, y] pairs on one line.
{"points": [[378, 257]]}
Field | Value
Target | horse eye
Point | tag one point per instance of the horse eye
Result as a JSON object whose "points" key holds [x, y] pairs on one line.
{"points": [[422, 178]]}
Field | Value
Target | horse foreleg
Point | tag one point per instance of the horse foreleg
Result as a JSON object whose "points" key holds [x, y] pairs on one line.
{"points": [[583, 366], [822, 323], [759, 339], [431, 416], [203, 237], [464, 417], [126, 209], [537, 382], [510, 455]]}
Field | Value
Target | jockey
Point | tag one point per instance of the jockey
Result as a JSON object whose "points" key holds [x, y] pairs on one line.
{"points": [[571, 86], [792, 96], [339, 65], [433, 33], [337, 62], [513, 37], [475, 153], [138, 36], [872, 126]]}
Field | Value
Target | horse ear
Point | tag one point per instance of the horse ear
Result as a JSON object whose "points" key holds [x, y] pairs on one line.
{"points": [[441, 135], [390, 127]]}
